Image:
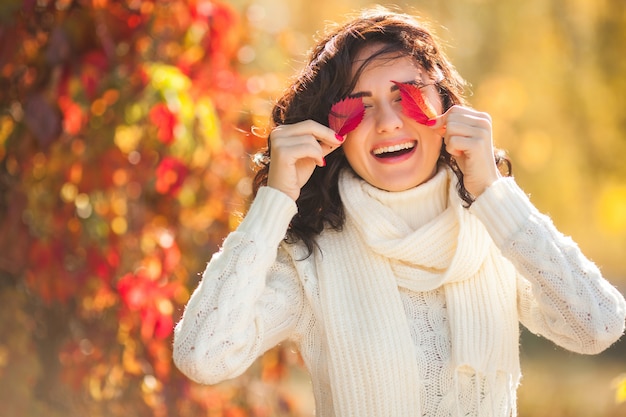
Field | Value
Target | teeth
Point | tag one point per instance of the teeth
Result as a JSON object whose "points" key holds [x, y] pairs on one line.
{"points": [[394, 148]]}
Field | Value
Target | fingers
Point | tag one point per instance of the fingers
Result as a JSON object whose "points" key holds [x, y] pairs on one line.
{"points": [[464, 129], [461, 137], [468, 137], [295, 150], [311, 130]]}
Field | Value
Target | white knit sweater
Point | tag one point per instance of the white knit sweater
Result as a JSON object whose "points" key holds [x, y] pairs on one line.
{"points": [[257, 291]]}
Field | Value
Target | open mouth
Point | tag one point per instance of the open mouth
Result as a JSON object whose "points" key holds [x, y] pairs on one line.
{"points": [[396, 150]]}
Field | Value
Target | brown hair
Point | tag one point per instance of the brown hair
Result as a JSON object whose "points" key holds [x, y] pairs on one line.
{"points": [[328, 78]]}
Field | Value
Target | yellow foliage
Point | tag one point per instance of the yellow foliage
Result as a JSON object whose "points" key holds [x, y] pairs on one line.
{"points": [[6, 128], [619, 383], [127, 137], [209, 123], [503, 96], [535, 150], [611, 208]]}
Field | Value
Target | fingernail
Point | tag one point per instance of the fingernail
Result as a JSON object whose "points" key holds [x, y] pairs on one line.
{"points": [[323, 162], [339, 137]]}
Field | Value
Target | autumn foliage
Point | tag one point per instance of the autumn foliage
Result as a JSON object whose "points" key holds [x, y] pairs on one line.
{"points": [[122, 167]]}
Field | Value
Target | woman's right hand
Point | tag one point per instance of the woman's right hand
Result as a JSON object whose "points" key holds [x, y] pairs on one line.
{"points": [[295, 151]]}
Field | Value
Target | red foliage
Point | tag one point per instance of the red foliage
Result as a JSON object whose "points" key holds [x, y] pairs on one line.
{"points": [[103, 263], [151, 298], [93, 68], [108, 211], [74, 116], [165, 121], [170, 175], [415, 105], [346, 115]]}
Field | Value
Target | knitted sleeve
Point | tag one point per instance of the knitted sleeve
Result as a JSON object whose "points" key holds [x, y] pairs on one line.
{"points": [[561, 294], [247, 301]]}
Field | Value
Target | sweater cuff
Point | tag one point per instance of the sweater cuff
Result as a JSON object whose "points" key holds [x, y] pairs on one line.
{"points": [[503, 208], [269, 215]]}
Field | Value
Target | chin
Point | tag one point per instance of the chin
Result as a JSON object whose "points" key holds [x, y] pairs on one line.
{"points": [[397, 187], [403, 183]]}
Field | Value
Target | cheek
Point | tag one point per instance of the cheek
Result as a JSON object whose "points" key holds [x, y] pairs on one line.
{"points": [[434, 144], [356, 153], [435, 100], [355, 144], [352, 149]]}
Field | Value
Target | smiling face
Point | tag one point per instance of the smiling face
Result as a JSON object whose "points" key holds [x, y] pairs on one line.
{"points": [[388, 149]]}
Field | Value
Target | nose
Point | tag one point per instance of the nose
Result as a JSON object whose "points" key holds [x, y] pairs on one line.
{"points": [[388, 118]]}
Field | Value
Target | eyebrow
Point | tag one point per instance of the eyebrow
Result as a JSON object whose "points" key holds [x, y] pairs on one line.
{"points": [[393, 88]]}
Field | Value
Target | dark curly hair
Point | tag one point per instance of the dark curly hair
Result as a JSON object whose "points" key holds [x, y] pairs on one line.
{"points": [[328, 78]]}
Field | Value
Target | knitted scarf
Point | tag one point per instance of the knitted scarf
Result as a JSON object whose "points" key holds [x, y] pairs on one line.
{"points": [[372, 365]]}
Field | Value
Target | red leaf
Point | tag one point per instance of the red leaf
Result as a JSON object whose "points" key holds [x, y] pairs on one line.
{"points": [[135, 291], [415, 105], [163, 326], [139, 293], [74, 118], [170, 175], [346, 115], [165, 121]]}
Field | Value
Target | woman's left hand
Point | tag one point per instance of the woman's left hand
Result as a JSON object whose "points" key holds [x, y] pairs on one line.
{"points": [[467, 135]]}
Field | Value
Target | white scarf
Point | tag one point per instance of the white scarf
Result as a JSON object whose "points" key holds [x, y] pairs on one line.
{"points": [[372, 362]]}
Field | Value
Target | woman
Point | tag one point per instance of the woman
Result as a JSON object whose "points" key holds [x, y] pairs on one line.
{"points": [[398, 258]]}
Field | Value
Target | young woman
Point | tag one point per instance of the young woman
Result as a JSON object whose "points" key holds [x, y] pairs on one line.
{"points": [[398, 258]]}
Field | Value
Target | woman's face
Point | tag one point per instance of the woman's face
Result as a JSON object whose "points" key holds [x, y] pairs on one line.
{"points": [[388, 149]]}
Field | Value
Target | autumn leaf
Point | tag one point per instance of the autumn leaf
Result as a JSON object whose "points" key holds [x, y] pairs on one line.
{"points": [[165, 121], [170, 175], [74, 118], [140, 293], [345, 115], [415, 105]]}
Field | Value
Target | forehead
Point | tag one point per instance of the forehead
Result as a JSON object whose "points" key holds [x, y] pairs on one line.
{"points": [[370, 62]]}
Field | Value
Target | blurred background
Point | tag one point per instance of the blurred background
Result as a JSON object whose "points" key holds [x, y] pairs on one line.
{"points": [[125, 158]]}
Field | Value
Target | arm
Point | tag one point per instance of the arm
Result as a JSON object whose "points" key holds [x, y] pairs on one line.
{"points": [[247, 300], [561, 294]]}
